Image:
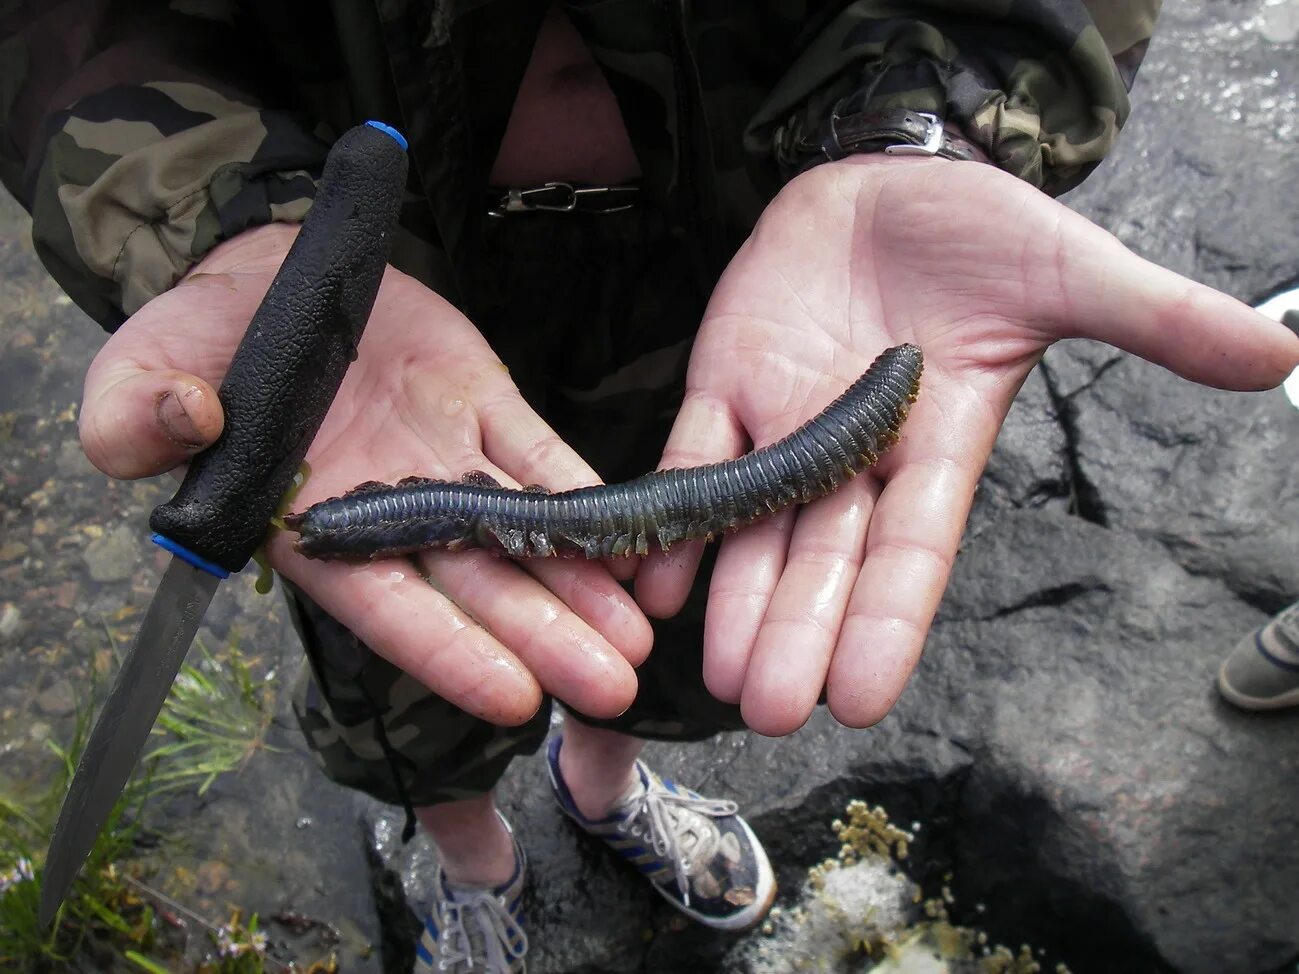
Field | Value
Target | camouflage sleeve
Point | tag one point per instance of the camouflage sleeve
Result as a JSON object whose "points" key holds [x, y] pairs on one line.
{"points": [[1041, 86], [137, 146]]}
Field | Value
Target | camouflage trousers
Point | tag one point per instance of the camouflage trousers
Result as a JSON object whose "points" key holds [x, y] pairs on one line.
{"points": [[594, 315]]}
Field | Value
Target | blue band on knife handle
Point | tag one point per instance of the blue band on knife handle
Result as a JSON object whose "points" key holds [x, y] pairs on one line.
{"points": [[388, 129], [180, 551]]}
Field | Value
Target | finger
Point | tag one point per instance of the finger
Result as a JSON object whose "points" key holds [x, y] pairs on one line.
{"points": [[1104, 291], [137, 422], [527, 451], [586, 587], [516, 439], [389, 607], [624, 569], [706, 431], [744, 578], [596, 596], [801, 627], [910, 547], [568, 657], [664, 579]]}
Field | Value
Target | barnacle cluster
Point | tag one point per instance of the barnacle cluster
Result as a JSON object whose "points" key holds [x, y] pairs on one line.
{"points": [[869, 831], [861, 912]]}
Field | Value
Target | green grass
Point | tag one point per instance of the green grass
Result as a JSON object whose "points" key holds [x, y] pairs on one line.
{"points": [[214, 720]]}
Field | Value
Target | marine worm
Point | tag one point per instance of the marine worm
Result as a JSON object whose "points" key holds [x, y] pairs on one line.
{"points": [[378, 520]]}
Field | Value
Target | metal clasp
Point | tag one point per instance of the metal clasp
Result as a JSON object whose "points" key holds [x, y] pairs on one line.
{"points": [[933, 139], [566, 198]]}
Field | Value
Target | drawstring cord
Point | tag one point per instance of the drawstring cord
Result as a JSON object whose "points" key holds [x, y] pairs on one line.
{"points": [[391, 756]]}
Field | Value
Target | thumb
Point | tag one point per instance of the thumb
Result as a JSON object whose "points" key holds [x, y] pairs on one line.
{"points": [[145, 408], [1105, 291], [137, 422]]}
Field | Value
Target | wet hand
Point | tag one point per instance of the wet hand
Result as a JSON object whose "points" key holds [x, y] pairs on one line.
{"points": [[425, 397], [983, 273]]}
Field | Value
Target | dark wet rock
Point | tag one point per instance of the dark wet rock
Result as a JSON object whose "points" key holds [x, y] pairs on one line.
{"points": [[213, 877], [114, 555], [1218, 488], [246, 846], [1202, 181], [1112, 799], [1031, 466], [15, 390], [11, 623], [72, 460], [58, 699]]}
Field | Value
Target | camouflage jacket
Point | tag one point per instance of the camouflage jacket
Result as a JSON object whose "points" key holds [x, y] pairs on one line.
{"points": [[140, 133]]}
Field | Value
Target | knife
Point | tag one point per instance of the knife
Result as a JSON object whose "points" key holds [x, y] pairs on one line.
{"points": [[280, 384]]}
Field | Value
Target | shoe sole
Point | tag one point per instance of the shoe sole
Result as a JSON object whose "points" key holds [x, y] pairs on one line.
{"points": [[1245, 702]]}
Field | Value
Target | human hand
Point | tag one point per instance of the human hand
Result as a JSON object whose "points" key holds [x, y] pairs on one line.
{"points": [[426, 397], [983, 272]]}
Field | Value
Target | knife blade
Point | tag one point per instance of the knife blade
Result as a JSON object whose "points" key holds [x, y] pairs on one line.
{"points": [[119, 735], [281, 382]]}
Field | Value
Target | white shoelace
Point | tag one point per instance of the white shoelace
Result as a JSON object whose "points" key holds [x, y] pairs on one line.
{"points": [[669, 819], [495, 924]]}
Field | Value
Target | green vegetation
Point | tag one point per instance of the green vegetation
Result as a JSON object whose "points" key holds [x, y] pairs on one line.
{"points": [[214, 720]]}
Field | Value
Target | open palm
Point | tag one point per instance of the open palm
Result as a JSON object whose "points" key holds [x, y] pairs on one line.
{"points": [[982, 272], [426, 396]]}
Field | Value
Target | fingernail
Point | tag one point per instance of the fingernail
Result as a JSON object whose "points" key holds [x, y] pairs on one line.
{"points": [[175, 420]]}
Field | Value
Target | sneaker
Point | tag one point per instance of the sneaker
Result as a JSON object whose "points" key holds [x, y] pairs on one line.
{"points": [[699, 854], [475, 928], [1262, 672]]}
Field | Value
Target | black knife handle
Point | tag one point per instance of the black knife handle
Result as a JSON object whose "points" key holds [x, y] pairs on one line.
{"points": [[288, 368]]}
